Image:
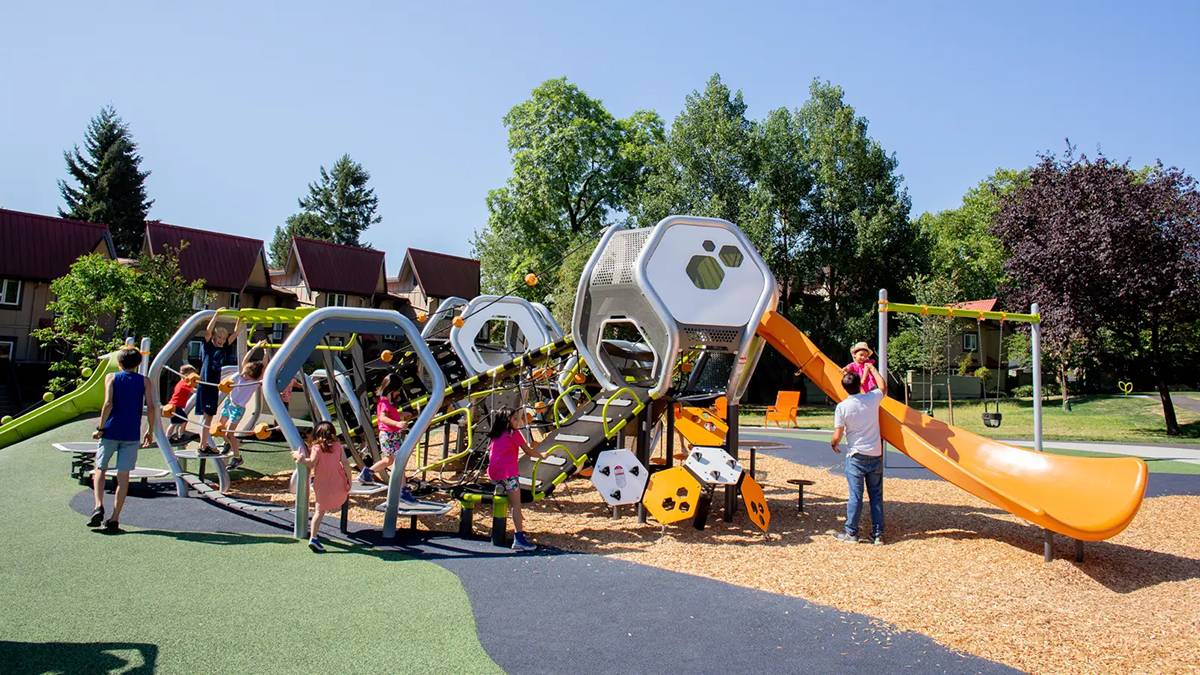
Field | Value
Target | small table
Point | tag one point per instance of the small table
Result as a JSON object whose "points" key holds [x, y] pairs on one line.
{"points": [[800, 483]]}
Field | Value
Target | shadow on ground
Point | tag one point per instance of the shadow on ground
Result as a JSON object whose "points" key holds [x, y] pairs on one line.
{"points": [[72, 658]]}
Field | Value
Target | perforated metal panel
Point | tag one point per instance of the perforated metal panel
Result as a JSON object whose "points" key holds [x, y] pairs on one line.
{"points": [[708, 336], [616, 264]]}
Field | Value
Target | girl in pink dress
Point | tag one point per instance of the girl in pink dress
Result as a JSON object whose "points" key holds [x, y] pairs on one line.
{"points": [[325, 458]]}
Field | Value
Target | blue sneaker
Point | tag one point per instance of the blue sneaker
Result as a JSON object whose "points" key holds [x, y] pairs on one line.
{"points": [[365, 476], [406, 496], [521, 543], [315, 545]]}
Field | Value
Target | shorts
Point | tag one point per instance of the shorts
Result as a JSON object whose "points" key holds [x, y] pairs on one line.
{"points": [[126, 452], [232, 411], [390, 442], [176, 418], [206, 399], [507, 485]]}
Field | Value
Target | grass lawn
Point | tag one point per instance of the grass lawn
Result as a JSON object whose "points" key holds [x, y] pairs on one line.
{"points": [[1092, 418], [79, 601]]}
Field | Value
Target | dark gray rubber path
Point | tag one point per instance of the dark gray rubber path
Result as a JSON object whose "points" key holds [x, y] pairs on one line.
{"points": [[598, 615], [817, 453]]}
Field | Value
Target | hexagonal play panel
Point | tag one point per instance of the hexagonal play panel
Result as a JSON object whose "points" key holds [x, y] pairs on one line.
{"points": [[713, 466], [671, 495], [620, 477], [756, 502]]}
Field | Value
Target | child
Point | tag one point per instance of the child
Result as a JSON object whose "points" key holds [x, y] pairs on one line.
{"points": [[216, 351], [861, 354], [179, 399], [119, 430], [391, 424], [330, 477], [506, 438], [245, 384]]}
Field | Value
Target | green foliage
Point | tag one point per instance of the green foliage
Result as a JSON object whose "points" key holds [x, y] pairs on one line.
{"points": [[706, 166], [986, 374], [927, 336], [109, 186], [575, 169], [964, 363], [338, 208], [100, 301], [1018, 349], [962, 246]]}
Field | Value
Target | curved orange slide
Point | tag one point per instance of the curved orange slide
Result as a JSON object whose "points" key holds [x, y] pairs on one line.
{"points": [[1088, 498]]}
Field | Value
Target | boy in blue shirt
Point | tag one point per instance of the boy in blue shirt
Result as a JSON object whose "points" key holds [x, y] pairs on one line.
{"points": [[119, 430]]}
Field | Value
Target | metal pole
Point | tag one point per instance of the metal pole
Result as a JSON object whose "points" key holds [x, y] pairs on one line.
{"points": [[1035, 346], [670, 458], [731, 446], [642, 449], [881, 344]]}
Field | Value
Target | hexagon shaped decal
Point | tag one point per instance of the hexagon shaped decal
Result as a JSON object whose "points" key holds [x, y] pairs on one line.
{"points": [[709, 246], [705, 272], [713, 466], [731, 255], [756, 503]]}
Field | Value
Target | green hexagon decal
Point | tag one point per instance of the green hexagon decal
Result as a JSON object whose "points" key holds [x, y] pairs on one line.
{"points": [[705, 272], [731, 255]]}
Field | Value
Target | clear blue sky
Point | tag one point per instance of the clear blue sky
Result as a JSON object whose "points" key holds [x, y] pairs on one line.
{"points": [[236, 105]]}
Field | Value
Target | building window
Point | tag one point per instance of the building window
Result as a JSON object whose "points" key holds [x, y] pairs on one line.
{"points": [[336, 300], [235, 301], [10, 292], [7, 348], [970, 342], [194, 350], [199, 300]]}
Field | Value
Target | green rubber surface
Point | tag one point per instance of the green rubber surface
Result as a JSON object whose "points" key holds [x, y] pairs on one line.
{"points": [[82, 601]]}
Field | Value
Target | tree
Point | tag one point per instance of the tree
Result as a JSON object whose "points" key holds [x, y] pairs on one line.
{"points": [[575, 169], [856, 234], [962, 246], [100, 301], [1102, 246], [109, 186], [706, 166], [303, 224]]}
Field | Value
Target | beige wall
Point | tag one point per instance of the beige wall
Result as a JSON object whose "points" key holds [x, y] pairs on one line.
{"points": [[16, 323]]}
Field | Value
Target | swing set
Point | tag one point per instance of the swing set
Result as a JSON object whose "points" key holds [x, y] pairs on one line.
{"points": [[992, 416]]}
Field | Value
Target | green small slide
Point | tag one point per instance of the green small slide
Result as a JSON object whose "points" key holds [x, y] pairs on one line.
{"points": [[88, 398]]}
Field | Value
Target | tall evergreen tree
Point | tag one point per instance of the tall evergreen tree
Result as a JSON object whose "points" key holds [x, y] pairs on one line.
{"points": [[109, 184], [343, 202], [303, 224]]}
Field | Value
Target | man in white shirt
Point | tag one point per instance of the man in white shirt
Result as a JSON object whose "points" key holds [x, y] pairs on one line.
{"points": [[856, 420]]}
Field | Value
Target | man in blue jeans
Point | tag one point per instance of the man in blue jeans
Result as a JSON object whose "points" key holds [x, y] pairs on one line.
{"points": [[856, 420]]}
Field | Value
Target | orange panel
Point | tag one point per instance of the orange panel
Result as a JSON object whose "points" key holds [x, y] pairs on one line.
{"points": [[756, 502], [671, 495]]}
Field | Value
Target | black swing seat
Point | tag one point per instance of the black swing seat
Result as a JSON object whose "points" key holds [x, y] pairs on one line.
{"points": [[992, 419]]}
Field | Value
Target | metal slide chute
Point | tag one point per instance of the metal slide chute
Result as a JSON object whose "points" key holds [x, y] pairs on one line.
{"points": [[1087, 498]]}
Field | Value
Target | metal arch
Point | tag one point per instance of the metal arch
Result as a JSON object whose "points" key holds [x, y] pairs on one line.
{"points": [[441, 314], [177, 341], [296, 350], [487, 307]]}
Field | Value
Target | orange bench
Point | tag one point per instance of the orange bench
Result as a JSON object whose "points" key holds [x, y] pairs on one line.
{"points": [[787, 404]]}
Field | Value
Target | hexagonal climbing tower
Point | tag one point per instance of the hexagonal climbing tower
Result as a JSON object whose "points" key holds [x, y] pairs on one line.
{"points": [[687, 284]]}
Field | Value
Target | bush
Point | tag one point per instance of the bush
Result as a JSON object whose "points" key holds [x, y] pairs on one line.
{"points": [[1023, 391]]}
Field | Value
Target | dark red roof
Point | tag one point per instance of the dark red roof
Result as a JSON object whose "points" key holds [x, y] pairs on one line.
{"points": [[441, 275], [224, 261], [338, 268], [42, 248]]}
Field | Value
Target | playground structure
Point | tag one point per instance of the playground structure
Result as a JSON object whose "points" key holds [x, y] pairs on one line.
{"points": [[668, 327]]}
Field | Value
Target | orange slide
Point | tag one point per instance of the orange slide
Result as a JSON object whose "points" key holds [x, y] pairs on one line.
{"points": [[1088, 498]]}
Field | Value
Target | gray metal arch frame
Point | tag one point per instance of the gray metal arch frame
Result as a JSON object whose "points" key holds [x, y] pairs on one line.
{"points": [[441, 315], [295, 351]]}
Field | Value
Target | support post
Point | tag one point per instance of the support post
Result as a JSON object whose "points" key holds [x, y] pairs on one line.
{"points": [[1035, 346], [731, 446], [881, 344], [670, 458], [1078, 550], [643, 449]]}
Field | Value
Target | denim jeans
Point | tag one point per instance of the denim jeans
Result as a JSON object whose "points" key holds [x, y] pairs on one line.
{"points": [[860, 469]]}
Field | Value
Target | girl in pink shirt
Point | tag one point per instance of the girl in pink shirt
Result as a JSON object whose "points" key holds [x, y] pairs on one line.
{"points": [[391, 425], [862, 356], [506, 440], [326, 459]]}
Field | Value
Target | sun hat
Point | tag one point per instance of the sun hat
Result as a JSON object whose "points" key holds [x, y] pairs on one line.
{"points": [[859, 347]]}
